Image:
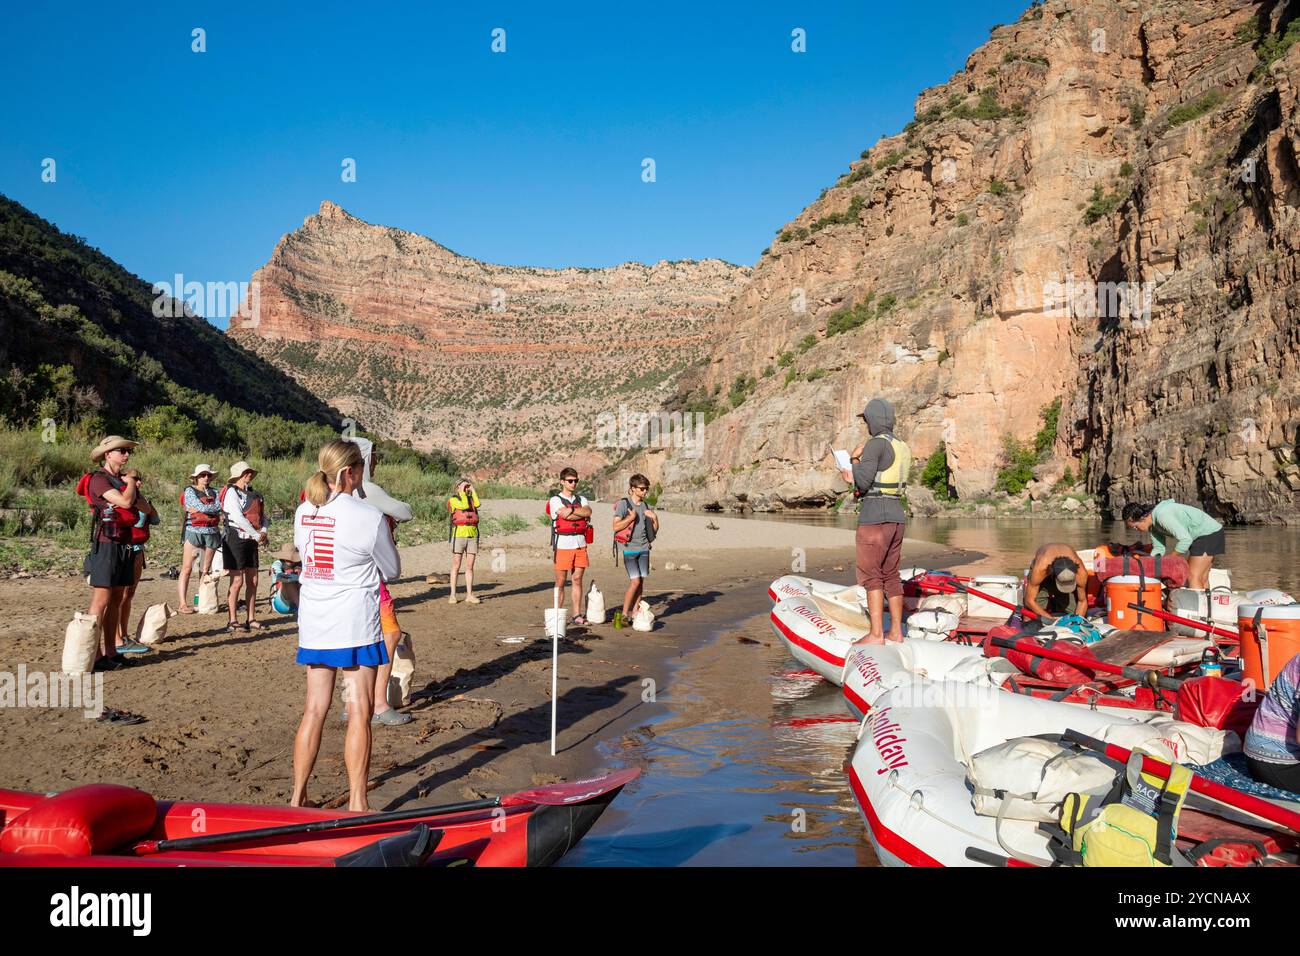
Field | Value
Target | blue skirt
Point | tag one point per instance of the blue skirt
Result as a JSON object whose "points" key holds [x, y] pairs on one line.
{"points": [[368, 655]]}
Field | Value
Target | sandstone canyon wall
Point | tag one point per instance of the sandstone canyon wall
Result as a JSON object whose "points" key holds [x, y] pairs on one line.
{"points": [[1101, 207], [508, 368]]}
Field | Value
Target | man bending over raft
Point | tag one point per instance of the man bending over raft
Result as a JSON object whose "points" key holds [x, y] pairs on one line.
{"points": [[1057, 583], [880, 469]]}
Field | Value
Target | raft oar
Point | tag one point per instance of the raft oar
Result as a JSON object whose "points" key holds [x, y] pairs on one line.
{"points": [[988, 858], [1142, 675], [562, 794], [1178, 619], [1238, 799]]}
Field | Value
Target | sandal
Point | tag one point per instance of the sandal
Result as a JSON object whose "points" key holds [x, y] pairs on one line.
{"points": [[579, 621], [187, 610], [255, 625], [232, 626], [119, 717]]}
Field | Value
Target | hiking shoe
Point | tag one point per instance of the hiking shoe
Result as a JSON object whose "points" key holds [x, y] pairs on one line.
{"points": [[391, 718], [472, 600], [133, 647], [451, 599]]}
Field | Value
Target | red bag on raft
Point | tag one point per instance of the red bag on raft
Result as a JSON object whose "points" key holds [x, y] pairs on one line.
{"points": [[1171, 569], [1216, 702], [1056, 672]]}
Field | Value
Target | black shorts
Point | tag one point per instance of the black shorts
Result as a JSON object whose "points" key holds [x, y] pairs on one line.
{"points": [[110, 565], [1206, 544], [238, 554]]}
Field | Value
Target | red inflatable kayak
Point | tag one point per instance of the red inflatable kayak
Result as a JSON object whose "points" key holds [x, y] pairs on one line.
{"points": [[110, 825]]}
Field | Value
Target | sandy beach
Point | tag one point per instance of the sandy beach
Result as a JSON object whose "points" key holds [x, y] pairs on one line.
{"points": [[223, 708]]}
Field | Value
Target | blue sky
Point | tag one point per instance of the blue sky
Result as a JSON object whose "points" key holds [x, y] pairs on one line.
{"points": [[175, 161]]}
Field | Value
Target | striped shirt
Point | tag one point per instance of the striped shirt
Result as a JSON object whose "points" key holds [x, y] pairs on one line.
{"points": [[1271, 737]]}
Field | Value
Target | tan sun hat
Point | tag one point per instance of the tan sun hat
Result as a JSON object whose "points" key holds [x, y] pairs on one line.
{"points": [[237, 469], [202, 470], [287, 552], [109, 443]]}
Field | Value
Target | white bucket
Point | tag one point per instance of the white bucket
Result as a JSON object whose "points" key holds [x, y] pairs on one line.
{"points": [[555, 621]]}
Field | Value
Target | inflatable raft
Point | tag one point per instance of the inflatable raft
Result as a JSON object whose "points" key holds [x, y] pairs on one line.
{"points": [[909, 768], [872, 670], [109, 825]]}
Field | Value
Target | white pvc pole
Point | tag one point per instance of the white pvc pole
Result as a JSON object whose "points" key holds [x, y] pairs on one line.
{"points": [[555, 662]]}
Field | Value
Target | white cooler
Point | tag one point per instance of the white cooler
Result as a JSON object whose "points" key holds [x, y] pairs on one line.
{"points": [[1004, 586]]}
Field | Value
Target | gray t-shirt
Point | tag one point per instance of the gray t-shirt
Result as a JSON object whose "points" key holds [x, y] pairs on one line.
{"points": [[640, 539], [876, 456]]}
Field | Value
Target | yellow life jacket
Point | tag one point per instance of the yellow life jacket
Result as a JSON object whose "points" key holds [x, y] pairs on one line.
{"points": [[1135, 824], [892, 481]]}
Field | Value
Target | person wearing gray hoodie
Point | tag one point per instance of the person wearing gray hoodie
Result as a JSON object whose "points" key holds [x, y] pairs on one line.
{"points": [[879, 475]]}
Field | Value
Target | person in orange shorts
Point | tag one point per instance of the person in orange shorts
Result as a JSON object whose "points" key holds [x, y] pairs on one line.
{"points": [[571, 532]]}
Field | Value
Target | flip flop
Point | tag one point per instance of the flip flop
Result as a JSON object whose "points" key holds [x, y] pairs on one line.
{"points": [[391, 718], [120, 718], [187, 610]]}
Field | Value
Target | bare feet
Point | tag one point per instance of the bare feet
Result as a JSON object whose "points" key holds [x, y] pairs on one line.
{"points": [[873, 638], [895, 637]]}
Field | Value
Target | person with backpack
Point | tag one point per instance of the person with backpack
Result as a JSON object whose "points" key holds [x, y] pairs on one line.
{"points": [[1180, 529], [147, 516], [463, 510], [246, 526], [881, 466], [571, 532], [635, 526], [200, 529], [111, 562]]}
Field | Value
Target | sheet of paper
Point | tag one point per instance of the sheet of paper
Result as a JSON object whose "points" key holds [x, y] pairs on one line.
{"points": [[841, 458]]}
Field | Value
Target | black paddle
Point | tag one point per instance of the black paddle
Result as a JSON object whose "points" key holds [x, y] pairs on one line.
{"points": [[148, 847]]}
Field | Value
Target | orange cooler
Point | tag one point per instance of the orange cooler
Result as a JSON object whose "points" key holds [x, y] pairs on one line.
{"points": [[1129, 589], [1270, 637]]}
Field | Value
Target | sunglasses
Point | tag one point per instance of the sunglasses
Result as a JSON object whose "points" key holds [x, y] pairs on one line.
{"points": [[569, 481]]}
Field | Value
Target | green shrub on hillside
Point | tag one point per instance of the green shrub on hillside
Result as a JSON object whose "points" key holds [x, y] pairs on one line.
{"points": [[1017, 471], [1195, 109], [935, 475]]}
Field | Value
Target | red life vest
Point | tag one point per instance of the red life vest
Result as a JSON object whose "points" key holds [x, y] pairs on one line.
{"points": [[467, 516], [252, 508], [110, 522], [199, 519], [568, 525]]}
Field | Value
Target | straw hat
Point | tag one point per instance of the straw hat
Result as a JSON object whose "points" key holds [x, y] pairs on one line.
{"points": [[109, 443], [287, 552], [202, 470], [237, 469]]}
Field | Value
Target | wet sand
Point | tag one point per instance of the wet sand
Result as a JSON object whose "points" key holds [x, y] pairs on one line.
{"points": [[223, 708]]}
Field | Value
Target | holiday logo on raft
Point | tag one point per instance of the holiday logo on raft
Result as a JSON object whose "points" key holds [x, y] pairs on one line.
{"points": [[815, 619], [867, 668], [888, 741]]}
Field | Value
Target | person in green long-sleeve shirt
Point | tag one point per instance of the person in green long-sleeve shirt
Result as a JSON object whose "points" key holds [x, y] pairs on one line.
{"points": [[1181, 529]]}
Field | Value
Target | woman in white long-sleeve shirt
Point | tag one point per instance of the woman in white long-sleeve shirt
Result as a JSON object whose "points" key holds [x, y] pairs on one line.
{"points": [[246, 526], [347, 549]]}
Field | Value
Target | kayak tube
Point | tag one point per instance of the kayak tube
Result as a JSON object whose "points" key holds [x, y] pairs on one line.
{"points": [[127, 827]]}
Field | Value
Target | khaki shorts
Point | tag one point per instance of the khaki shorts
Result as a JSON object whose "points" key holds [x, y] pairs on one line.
{"points": [[570, 559], [464, 545]]}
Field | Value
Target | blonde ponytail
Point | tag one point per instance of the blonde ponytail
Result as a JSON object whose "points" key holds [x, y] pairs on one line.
{"points": [[334, 457]]}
